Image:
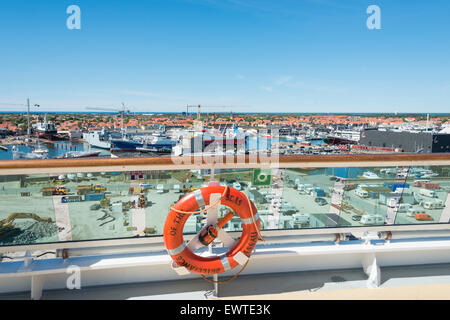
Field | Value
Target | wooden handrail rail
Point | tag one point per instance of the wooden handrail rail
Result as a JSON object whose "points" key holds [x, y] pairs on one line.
{"points": [[158, 161]]}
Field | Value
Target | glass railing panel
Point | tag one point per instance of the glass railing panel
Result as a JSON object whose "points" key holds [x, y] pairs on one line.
{"points": [[98, 205], [307, 198], [242, 180], [425, 198], [127, 204], [44, 208], [27, 212], [371, 195]]}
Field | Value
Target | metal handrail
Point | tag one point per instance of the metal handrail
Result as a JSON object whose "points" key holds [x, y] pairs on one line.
{"points": [[172, 163]]}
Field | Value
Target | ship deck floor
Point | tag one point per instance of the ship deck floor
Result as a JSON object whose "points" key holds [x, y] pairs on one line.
{"points": [[427, 282]]}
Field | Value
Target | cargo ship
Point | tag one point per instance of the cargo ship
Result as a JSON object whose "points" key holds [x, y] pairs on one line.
{"points": [[158, 144], [101, 138], [46, 130]]}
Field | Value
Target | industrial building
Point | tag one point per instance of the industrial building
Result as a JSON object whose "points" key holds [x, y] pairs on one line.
{"points": [[407, 141]]}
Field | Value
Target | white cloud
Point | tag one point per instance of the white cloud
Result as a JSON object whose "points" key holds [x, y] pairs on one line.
{"points": [[288, 81], [283, 80]]}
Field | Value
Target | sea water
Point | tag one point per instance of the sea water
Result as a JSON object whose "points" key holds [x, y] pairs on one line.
{"points": [[54, 150]]}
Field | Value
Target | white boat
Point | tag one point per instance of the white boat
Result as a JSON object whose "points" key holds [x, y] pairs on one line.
{"points": [[27, 155], [79, 154], [39, 149], [370, 175], [388, 171], [428, 174]]}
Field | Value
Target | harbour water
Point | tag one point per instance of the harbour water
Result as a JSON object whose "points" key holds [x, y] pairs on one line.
{"points": [[54, 150]]}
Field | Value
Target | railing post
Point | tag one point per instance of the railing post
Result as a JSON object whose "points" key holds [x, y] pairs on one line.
{"points": [[215, 276], [371, 268], [37, 284], [28, 259]]}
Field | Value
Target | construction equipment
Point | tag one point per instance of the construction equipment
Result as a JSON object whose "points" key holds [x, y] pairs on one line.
{"points": [[142, 201], [7, 227], [104, 203], [14, 216], [83, 190], [151, 230], [53, 191], [135, 190], [188, 189]]}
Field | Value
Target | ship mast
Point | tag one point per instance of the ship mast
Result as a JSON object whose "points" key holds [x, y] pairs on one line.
{"points": [[28, 116]]}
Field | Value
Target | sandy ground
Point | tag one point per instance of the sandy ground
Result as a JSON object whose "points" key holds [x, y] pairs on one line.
{"points": [[62, 218]]}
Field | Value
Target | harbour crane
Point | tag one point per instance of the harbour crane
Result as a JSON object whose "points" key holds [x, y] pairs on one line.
{"points": [[121, 112], [199, 107]]}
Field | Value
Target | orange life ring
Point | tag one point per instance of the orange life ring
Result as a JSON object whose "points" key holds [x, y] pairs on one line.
{"points": [[238, 255]]}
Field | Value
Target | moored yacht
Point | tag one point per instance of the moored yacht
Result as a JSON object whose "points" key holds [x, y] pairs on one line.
{"points": [[370, 175]]}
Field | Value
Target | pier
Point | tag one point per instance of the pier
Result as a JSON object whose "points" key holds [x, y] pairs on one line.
{"points": [[60, 145]]}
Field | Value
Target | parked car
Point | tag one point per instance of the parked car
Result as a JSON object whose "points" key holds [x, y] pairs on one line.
{"points": [[428, 193], [362, 193], [372, 219], [404, 207], [423, 217], [321, 201], [95, 206], [237, 186], [300, 219], [160, 188], [413, 211], [436, 204], [356, 217]]}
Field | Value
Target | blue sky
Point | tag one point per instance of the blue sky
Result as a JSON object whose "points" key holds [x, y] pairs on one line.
{"points": [[240, 55]]}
